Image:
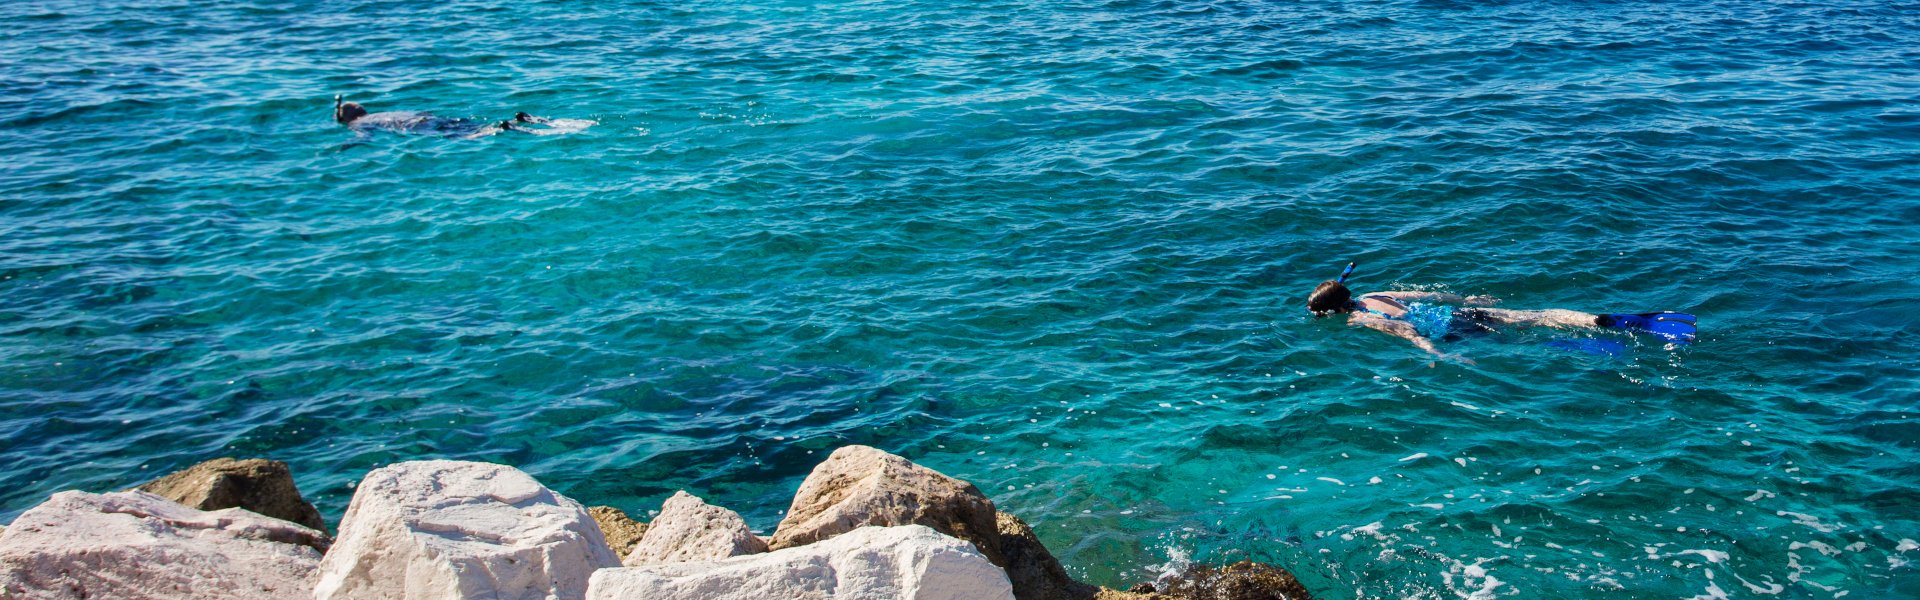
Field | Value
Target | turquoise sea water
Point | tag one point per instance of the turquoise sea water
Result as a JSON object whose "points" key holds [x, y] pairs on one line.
{"points": [[1058, 249]]}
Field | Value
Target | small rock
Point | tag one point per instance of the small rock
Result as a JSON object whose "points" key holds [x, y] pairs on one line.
{"points": [[870, 563], [621, 530], [138, 545], [259, 485], [1035, 573], [1245, 580], [689, 529], [858, 486], [446, 530]]}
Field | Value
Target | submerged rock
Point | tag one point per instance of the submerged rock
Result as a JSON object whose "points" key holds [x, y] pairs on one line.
{"points": [[870, 563], [1035, 573], [138, 545], [621, 530], [441, 529], [262, 486], [1245, 580], [859, 486], [689, 529]]}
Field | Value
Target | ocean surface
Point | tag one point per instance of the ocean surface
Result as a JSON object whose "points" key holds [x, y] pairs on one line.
{"points": [[1058, 249]]}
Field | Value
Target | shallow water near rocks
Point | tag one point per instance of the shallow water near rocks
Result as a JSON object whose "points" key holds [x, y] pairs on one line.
{"points": [[1059, 250]]}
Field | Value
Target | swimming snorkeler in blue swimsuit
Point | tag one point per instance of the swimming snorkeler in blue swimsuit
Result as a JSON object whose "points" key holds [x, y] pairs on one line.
{"points": [[356, 117], [1423, 317]]}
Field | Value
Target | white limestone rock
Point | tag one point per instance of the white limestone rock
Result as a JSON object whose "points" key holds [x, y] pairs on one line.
{"points": [[441, 529], [138, 546], [689, 529], [911, 562]]}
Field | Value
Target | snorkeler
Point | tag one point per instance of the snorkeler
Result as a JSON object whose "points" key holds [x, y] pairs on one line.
{"points": [[1422, 317], [356, 117]]}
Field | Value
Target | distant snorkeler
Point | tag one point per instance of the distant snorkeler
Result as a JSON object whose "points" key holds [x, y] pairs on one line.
{"points": [[1423, 317], [356, 117]]}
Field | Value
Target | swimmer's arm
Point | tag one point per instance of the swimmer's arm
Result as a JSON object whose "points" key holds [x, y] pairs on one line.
{"points": [[1397, 328], [1404, 330], [1439, 297]]}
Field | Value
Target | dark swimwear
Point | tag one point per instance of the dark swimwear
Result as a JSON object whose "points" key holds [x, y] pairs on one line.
{"points": [[425, 123]]}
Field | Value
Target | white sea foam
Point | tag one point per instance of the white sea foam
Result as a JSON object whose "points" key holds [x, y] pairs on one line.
{"points": [[1713, 591], [1415, 456], [1712, 556], [1478, 583], [562, 127], [1370, 529], [1807, 520], [1816, 546], [1771, 588], [1178, 559]]}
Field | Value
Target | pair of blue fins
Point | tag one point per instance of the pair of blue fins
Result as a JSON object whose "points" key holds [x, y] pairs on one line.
{"points": [[1667, 325], [1678, 328], [1674, 327]]}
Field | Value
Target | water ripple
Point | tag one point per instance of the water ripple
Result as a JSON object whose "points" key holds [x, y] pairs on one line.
{"points": [[1057, 250]]}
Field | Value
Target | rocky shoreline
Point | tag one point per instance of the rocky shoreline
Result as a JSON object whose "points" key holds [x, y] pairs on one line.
{"points": [[864, 524]]}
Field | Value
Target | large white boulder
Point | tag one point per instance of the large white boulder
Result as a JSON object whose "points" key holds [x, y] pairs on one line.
{"points": [[911, 562], [138, 546], [440, 529], [689, 529]]}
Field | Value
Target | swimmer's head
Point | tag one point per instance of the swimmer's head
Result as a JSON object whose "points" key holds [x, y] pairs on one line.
{"points": [[346, 112], [1330, 297]]}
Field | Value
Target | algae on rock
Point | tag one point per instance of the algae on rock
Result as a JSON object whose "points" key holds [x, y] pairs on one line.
{"points": [[621, 530]]}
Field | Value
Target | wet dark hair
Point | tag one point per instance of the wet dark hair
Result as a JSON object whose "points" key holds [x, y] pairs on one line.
{"points": [[1329, 297], [347, 112]]}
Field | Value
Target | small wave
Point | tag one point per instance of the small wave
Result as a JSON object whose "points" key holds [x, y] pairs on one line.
{"points": [[561, 127]]}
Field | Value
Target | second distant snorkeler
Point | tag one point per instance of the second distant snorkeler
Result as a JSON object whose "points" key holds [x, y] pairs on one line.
{"points": [[357, 118], [1423, 317]]}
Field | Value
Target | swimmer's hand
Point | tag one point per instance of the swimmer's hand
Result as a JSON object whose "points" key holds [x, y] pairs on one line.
{"points": [[1480, 301], [1455, 358]]}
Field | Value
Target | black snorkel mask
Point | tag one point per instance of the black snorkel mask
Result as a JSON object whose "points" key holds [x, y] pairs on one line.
{"points": [[1342, 281]]}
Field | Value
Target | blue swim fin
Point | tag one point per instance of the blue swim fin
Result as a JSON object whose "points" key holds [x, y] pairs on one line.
{"points": [[1674, 327]]}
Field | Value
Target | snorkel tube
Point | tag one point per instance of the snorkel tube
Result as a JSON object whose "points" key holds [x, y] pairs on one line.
{"points": [[1343, 274]]}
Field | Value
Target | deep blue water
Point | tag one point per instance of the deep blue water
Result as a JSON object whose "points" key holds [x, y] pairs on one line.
{"points": [[1059, 249]]}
